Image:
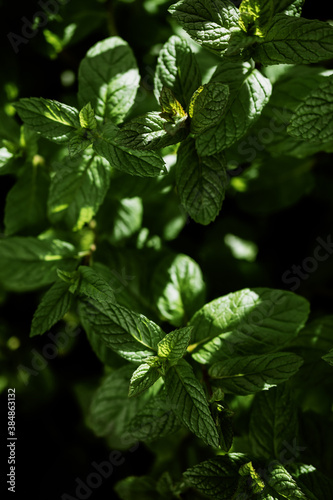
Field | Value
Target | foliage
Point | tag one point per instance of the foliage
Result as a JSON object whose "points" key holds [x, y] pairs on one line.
{"points": [[104, 186]]}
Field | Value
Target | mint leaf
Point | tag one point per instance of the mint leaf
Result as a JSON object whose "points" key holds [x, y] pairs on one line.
{"points": [[137, 488], [273, 422], [291, 40], [94, 286], [258, 320], [289, 91], [131, 335], [148, 132], [78, 189], [209, 22], [312, 120], [329, 357], [223, 419], [316, 337], [249, 93], [51, 119], [26, 201], [208, 105], [30, 263], [172, 109], [87, 117], [254, 481], [5, 160], [290, 8], [283, 483], [78, 143], [126, 270], [120, 219], [201, 183], [315, 485], [250, 374], [111, 409], [256, 14], [109, 79], [54, 305], [218, 477], [177, 70], [143, 377], [178, 288], [106, 355], [173, 346], [155, 420], [187, 396], [141, 163]]}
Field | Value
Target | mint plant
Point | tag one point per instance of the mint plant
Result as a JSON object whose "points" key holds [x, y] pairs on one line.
{"points": [[219, 387]]}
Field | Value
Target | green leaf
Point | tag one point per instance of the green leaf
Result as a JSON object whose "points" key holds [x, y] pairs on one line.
{"points": [[260, 320], [111, 409], [29, 263], [315, 485], [249, 93], [174, 345], [166, 487], [291, 40], [187, 396], [329, 357], [312, 120], [109, 79], [209, 22], [87, 117], [254, 481], [201, 183], [154, 421], [52, 119], [54, 305], [177, 70], [273, 422], [78, 189], [120, 219], [137, 488], [131, 335], [69, 277], [290, 8], [141, 163], [283, 483], [207, 106], [78, 143], [178, 288], [316, 338], [144, 377], [249, 374], [127, 271], [170, 106], [26, 201], [148, 132], [223, 419], [106, 355], [94, 286], [5, 160], [218, 477], [270, 132], [258, 13]]}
